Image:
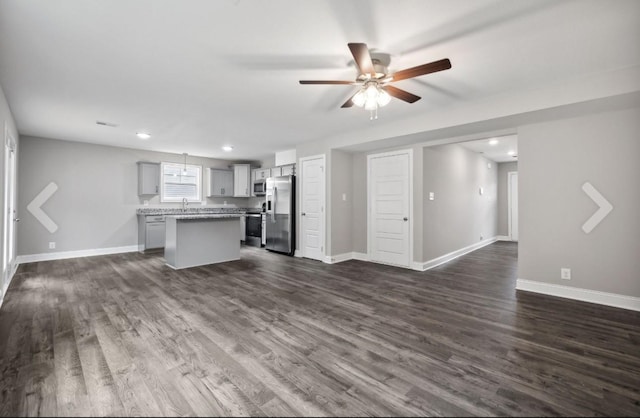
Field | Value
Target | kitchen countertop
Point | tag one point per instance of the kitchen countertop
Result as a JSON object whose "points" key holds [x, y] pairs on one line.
{"points": [[195, 216], [195, 211]]}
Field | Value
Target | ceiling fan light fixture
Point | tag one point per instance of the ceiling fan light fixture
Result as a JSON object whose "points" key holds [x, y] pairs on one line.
{"points": [[371, 91], [371, 103], [359, 98], [383, 97]]}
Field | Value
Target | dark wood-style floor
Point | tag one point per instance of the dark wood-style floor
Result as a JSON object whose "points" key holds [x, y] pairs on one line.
{"points": [[273, 335]]}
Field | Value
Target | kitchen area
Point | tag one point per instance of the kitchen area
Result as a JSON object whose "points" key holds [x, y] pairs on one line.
{"points": [[193, 234]]}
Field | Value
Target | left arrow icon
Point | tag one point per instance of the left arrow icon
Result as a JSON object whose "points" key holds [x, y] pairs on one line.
{"points": [[35, 207]]}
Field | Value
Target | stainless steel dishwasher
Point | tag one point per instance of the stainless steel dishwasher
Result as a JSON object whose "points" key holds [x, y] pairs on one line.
{"points": [[155, 232]]}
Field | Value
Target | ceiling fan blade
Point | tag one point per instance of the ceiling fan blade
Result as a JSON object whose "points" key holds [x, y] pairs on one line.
{"points": [[362, 57], [423, 69], [348, 103], [401, 94], [326, 82]]}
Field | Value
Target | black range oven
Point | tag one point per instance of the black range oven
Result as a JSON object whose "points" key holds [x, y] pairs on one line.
{"points": [[254, 229]]}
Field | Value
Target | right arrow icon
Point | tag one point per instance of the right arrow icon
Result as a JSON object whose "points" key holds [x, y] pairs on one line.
{"points": [[604, 207]]}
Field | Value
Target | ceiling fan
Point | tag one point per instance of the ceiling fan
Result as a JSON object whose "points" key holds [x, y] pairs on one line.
{"points": [[374, 79]]}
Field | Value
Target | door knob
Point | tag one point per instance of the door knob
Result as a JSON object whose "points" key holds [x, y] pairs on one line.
{"points": [[405, 219], [16, 220], [304, 214]]}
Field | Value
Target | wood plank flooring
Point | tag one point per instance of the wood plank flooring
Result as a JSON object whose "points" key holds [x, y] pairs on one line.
{"points": [[273, 335]]}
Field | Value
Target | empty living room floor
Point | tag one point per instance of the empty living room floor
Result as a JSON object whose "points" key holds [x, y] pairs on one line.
{"points": [[273, 335]]}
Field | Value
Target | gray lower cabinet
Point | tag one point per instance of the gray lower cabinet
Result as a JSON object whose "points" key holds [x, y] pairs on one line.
{"points": [[220, 183], [148, 178], [151, 232]]}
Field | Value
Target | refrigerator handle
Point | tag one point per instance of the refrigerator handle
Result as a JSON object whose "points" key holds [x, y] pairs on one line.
{"points": [[274, 200]]}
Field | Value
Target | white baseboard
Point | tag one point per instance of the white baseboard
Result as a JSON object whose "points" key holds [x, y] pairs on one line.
{"points": [[32, 258], [503, 238], [339, 258], [454, 254], [332, 259], [297, 253], [585, 295], [360, 256]]}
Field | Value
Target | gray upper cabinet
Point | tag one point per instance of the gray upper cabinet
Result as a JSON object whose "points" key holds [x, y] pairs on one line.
{"points": [[288, 170], [276, 171], [262, 173], [241, 179], [148, 178], [220, 183]]}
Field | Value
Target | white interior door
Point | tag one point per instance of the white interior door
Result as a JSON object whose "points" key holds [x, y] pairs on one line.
{"points": [[8, 256], [513, 205], [312, 204], [389, 221]]}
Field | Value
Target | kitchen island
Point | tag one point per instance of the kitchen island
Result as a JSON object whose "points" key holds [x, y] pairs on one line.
{"points": [[198, 239]]}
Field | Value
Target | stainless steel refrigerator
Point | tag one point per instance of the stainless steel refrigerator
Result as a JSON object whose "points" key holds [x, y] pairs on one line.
{"points": [[280, 210]]}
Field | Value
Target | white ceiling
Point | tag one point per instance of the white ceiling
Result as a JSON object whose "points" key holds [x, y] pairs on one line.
{"points": [[201, 74], [501, 150]]}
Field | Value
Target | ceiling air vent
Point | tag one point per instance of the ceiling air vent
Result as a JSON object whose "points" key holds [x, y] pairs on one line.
{"points": [[112, 125]]}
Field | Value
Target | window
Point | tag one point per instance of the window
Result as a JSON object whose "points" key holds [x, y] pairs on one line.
{"points": [[178, 182]]}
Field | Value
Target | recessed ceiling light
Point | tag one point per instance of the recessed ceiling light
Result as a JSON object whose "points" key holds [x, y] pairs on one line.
{"points": [[227, 148], [143, 135], [511, 152], [493, 141]]}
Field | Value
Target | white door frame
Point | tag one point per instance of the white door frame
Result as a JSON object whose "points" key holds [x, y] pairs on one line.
{"points": [[323, 194], [510, 175], [9, 202], [408, 151]]}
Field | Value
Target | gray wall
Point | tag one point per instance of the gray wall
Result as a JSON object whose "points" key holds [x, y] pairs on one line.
{"points": [[341, 210], [6, 120], [503, 197], [459, 216], [555, 159], [95, 204]]}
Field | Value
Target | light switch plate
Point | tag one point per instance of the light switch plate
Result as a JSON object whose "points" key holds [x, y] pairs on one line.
{"points": [[432, 196], [481, 191], [565, 273]]}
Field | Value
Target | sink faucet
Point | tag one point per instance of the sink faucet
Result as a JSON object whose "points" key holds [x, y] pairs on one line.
{"points": [[185, 202]]}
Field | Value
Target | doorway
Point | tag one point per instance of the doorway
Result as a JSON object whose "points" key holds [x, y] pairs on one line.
{"points": [[389, 177], [312, 222], [512, 192]]}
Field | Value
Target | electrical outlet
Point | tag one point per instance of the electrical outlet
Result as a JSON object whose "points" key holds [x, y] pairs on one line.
{"points": [[565, 273], [344, 197], [52, 245], [481, 237], [146, 203]]}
